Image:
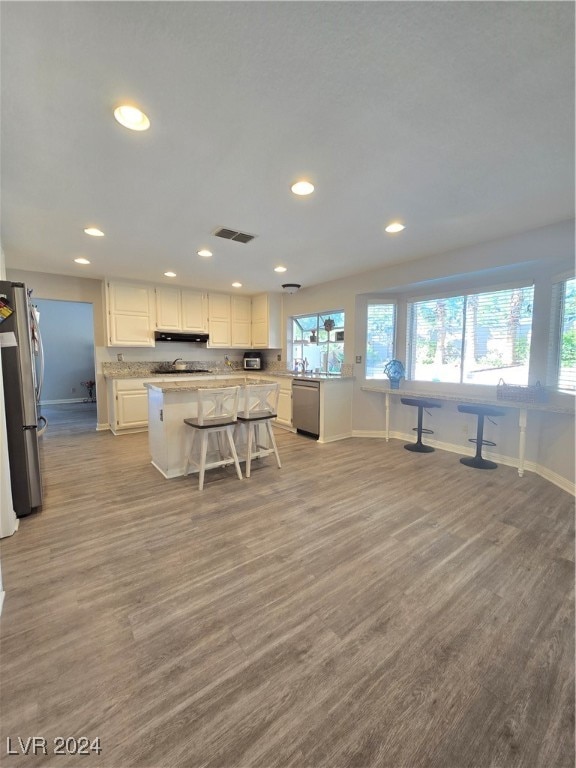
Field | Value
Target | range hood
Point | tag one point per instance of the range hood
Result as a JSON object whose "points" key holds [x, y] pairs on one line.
{"points": [[168, 336]]}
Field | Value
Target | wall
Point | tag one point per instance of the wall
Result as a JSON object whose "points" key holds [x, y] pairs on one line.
{"points": [[67, 329]]}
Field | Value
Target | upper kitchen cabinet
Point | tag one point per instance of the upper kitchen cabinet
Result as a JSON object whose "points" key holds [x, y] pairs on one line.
{"points": [[219, 320], [241, 326], [267, 321], [181, 310], [168, 309], [129, 314], [194, 311]]}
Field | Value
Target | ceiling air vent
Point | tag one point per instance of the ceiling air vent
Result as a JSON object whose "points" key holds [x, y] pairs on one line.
{"points": [[232, 234]]}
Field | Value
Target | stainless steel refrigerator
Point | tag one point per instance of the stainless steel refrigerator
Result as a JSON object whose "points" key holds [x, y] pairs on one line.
{"points": [[20, 397]]}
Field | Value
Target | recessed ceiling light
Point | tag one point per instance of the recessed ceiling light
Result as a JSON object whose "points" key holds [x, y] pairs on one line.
{"points": [[132, 118], [93, 232], [302, 188], [170, 274], [81, 261], [395, 227], [279, 269], [205, 253], [236, 285]]}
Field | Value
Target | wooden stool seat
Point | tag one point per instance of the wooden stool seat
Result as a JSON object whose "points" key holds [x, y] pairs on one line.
{"points": [[259, 408], [217, 415]]}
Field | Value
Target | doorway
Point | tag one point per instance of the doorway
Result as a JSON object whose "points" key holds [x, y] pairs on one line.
{"points": [[68, 390]]}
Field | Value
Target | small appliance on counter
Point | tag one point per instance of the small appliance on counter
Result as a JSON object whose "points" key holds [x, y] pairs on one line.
{"points": [[253, 361]]}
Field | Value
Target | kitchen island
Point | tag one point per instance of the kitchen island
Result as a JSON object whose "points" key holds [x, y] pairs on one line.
{"points": [[169, 403]]}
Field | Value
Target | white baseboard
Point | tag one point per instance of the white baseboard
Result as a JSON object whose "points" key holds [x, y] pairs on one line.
{"points": [[2, 595], [335, 438], [509, 461], [102, 427], [62, 402]]}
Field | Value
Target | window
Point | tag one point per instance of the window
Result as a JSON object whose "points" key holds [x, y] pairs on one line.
{"points": [[474, 339], [380, 330], [563, 336], [318, 341]]}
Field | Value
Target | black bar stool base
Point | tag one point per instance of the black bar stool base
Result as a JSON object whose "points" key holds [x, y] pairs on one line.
{"points": [[478, 462], [419, 448]]}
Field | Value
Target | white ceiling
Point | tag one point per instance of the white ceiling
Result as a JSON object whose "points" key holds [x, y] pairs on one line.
{"points": [[457, 118]]}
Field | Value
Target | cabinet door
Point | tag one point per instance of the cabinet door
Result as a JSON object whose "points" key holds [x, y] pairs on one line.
{"points": [[260, 308], [219, 320], [241, 331], [285, 406], [127, 298], [267, 321], [132, 409], [194, 311], [130, 331], [130, 315], [260, 334], [168, 311]]}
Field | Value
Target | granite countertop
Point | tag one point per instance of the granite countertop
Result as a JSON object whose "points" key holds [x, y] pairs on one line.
{"points": [[310, 376], [194, 386], [155, 375], [139, 374]]}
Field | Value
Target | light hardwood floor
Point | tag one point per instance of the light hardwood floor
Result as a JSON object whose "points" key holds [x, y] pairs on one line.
{"points": [[361, 607]]}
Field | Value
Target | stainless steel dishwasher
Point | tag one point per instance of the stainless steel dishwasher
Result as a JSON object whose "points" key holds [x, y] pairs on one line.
{"points": [[306, 406]]}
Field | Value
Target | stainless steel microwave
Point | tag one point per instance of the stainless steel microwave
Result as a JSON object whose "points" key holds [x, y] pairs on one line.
{"points": [[252, 363]]}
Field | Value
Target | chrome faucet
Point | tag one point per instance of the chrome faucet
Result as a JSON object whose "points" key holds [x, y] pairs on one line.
{"points": [[177, 360], [301, 361]]}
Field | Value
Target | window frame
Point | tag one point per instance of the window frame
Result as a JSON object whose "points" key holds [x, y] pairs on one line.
{"points": [[292, 342], [556, 334], [379, 302], [465, 295]]}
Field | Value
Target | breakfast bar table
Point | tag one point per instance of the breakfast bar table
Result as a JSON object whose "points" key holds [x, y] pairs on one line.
{"points": [[521, 407]]}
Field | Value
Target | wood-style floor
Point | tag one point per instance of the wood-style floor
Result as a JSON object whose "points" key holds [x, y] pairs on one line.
{"points": [[362, 606]]}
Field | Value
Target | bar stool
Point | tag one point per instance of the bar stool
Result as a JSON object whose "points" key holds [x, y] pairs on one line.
{"points": [[217, 414], [259, 407], [421, 404], [481, 411]]}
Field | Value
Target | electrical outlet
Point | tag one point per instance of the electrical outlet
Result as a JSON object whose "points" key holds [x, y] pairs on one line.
{"points": [[73, 390], [358, 358], [279, 358], [120, 357]]}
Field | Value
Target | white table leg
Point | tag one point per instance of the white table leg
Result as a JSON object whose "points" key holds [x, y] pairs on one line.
{"points": [[387, 417], [522, 440]]}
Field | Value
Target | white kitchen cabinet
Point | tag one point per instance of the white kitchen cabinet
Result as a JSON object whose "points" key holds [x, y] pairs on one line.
{"points": [[128, 405], [168, 309], [194, 311], [284, 416], [285, 405], [129, 313], [180, 310], [267, 321], [241, 321], [219, 320]]}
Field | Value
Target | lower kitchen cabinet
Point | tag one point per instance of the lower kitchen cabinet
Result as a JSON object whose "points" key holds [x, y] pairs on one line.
{"points": [[128, 405], [284, 399]]}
